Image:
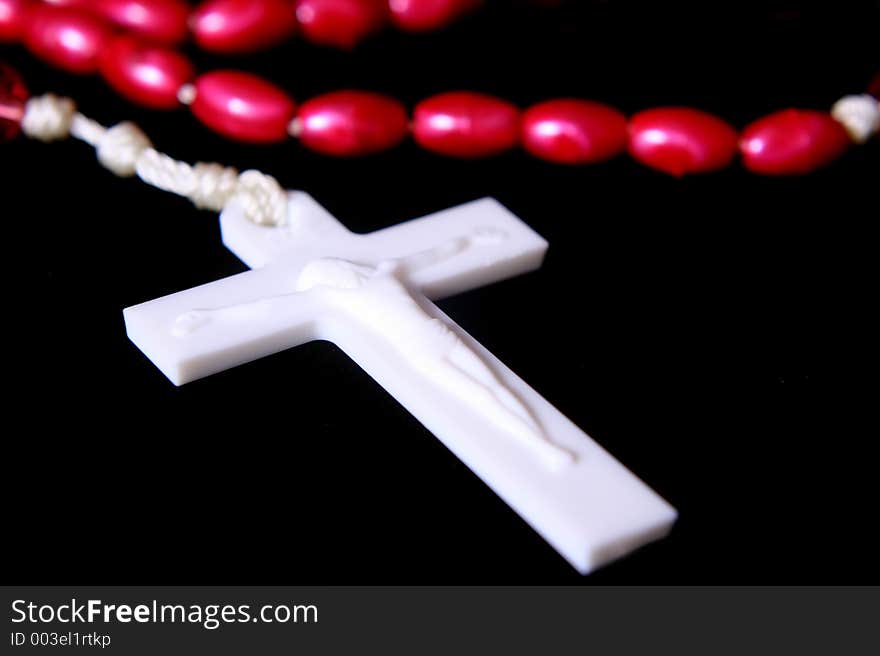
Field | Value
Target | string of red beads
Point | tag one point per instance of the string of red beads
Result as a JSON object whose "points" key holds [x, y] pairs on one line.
{"points": [[243, 26], [242, 106]]}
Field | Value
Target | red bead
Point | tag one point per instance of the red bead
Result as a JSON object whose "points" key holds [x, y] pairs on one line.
{"points": [[573, 131], [680, 140], [12, 19], [466, 124], [426, 15], [350, 123], [340, 23], [66, 37], [79, 4], [243, 106], [874, 86], [240, 26], [792, 142], [163, 21], [149, 75], [13, 96]]}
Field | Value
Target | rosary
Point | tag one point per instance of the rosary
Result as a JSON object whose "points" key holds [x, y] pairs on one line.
{"points": [[371, 294]]}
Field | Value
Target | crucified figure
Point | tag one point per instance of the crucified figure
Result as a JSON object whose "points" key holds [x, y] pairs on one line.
{"points": [[376, 298]]}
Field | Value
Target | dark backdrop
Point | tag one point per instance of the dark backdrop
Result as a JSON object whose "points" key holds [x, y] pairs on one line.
{"points": [[713, 333]]}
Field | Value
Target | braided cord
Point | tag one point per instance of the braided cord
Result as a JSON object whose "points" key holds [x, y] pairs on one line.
{"points": [[126, 151]]}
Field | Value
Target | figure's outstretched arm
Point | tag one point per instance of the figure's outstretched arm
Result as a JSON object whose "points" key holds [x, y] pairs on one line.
{"points": [[423, 259], [249, 311]]}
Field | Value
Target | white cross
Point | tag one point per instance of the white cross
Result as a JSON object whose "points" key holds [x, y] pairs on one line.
{"points": [[314, 279]]}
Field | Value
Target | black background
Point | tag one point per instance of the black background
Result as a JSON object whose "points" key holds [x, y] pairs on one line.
{"points": [[713, 333]]}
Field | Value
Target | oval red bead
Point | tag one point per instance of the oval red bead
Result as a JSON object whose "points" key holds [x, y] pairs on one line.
{"points": [[242, 106], [66, 37], [792, 142], [240, 26], [149, 75], [351, 123], [158, 20], [680, 140], [425, 15], [12, 19], [340, 23], [13, 96], [466, 124], [570, 131], [874, 86], [85, 4]]}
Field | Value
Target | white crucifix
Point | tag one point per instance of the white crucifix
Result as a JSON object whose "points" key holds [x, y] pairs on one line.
{"points": [[313, 279]]}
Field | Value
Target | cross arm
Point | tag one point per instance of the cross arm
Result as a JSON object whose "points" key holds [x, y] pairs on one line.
{"points": [[498, 245], [501, 244], [172, 332]]}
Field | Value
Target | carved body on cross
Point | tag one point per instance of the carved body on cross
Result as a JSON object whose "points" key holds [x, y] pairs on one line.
{"points": [[367, 293], [377, 300]]}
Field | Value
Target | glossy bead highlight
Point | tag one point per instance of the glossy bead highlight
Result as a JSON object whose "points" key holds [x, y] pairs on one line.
{"points": [[12, 19], [242, 106], [792, 142], [352, 123], [241, 26], [85, 4], [681, 140], [149, 75], [466, 124], [426, 15], [162, 21], [68, 38], [340, 23], [570, 131], [13, 97]]}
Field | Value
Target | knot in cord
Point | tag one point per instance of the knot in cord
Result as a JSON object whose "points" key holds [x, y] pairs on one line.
{"points": [[859, 114], [214, 185], [120, 147], [262, 198], [48, 117]]}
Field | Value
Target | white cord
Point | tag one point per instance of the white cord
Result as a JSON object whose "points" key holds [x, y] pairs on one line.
{"points": [[125, 150]]}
